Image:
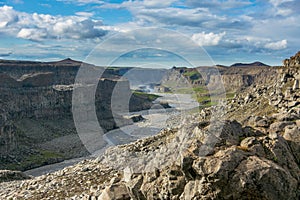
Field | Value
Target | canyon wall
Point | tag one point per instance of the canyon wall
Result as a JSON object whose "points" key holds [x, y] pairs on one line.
{"points": [[36, 122], [233, 78]]}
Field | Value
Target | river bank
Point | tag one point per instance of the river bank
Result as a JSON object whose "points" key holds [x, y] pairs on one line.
{"points": [[156, 119]]}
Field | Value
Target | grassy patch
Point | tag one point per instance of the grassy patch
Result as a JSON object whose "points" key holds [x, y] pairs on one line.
{"points": [[192, 74], [191, 90], [200, 89], [150, 97], [187, 90], [43, 157], [230, 95]]}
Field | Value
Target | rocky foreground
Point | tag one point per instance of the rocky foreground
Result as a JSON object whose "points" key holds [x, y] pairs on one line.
{"points": [[251, 151]]}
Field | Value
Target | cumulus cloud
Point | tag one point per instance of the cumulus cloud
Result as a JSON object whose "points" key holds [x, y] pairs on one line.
{"points": [[32, 33], [277, 45], [175, 16], [208, 39], [39, 26], [176, 13]]}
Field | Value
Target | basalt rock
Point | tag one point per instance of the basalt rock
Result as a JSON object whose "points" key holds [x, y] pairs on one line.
{"points": [[250, 152], [36, 121]]}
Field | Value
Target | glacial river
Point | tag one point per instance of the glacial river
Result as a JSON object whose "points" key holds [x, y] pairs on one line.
{"points": [[155, 120]]}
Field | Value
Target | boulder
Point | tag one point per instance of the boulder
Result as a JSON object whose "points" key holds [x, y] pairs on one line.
{"points": [[137, 118], [278, 127], [258, 178], [115, 192]]}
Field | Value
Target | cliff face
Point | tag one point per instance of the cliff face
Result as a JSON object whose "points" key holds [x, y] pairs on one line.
{"points": [[64, 72], [234, 78], [249, 152], [36, 122]]}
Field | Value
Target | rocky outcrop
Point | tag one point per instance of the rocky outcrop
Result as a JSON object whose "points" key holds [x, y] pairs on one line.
{"points": [[293, 61], [233, 78], [37, 79], [241, 164], [250, 152]]}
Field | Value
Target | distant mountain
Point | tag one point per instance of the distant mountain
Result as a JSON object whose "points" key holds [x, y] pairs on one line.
{"points": [[254, 64], [67, 61]]}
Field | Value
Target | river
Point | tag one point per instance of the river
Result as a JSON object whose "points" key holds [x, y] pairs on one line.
{"points": [[155, 120]]}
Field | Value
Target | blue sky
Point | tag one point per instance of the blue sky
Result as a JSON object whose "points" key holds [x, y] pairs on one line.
{"points": [[229, 30]]}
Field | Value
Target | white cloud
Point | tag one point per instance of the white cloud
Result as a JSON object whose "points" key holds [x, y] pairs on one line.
{"points": [[176, 14], [279, 2], [219, 4], [39, 26], [132, 5], [157, 3], [7, 16], [82, 2], [32, 34], [284, 12], [208, 39], [277, 45], [280, 8], [84, 14]]}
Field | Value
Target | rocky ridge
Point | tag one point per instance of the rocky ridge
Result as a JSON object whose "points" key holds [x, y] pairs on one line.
{"points": [[248, 152]]}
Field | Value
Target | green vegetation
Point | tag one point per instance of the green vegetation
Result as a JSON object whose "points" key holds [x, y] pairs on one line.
{"points": [[150, 97], [191, 90], [192, 74], [230, 95], [203, 95], [42, 157]]}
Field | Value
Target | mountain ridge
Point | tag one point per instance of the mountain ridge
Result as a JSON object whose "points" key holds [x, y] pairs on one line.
{"points": [[253, 64]]}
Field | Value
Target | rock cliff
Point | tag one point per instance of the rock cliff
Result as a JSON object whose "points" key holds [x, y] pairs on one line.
{"points": [[249, 152], [234, 78], [36, 123]]}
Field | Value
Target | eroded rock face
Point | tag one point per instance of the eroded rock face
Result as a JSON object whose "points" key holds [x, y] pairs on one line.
{"points": [[36, 121], [244, 164], [251, 152], [233, 78]]}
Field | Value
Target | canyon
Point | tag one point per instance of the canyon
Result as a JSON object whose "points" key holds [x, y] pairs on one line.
{"points": [[245, 147], [36, 122]]}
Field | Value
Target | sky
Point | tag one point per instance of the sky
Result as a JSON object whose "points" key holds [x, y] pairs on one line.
{"points": [[123, 32]]}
